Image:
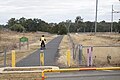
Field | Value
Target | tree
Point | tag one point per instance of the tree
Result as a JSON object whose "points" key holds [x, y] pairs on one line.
{"points": [[72, 27], [80, 26], [62, 28], [44, 26], [115, 27], [78, 19], [11, 22], [29, 26], [22, 21], [54, 29], [89, 26], [103, 27], [1, 26], [118, 26], [17, 27]]}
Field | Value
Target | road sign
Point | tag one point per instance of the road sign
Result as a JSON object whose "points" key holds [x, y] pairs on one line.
{"points": [[23, 39]]}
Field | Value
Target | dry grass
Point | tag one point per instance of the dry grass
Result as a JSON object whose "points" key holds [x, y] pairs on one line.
{"points": [[101, 53], [19, 76], [63, 47], [9, 38]]}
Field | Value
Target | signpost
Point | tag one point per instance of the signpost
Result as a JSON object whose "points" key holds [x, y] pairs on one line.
{"points": [[23, 40]]}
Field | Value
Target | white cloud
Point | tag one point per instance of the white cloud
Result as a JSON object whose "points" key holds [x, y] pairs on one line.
{"points": [[57, 10]]}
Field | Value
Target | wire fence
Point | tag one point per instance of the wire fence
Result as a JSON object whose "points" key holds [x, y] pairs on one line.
{"points": [[101, 55]]}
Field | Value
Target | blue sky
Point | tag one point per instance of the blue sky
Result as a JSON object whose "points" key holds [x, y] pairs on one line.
{"points": [[58, 10]]}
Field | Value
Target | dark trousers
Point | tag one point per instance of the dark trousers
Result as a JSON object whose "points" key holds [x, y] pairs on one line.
{"points": [[42, 44]]}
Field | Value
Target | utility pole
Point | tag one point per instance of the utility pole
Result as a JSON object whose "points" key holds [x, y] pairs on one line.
{"points": [[112, 17], [96, 16]]}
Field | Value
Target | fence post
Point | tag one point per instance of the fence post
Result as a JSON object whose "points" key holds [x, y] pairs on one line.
{"points": [[89, 58], [42, 58], [91, 63], [68, 58], [5, 57], [13, 58], [73, 47], [80, 54]]}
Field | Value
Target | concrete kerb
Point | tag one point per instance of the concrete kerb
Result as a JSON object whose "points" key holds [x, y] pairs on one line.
{"points": [[24, 69]]}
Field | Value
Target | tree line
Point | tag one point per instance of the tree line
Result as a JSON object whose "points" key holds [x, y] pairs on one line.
{"points": [[33, 25]]}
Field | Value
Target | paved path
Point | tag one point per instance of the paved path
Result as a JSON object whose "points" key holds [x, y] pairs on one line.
{"points": [[50, 53]]}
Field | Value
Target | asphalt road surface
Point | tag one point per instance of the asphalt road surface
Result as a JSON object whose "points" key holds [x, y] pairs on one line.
{"points": [[50, 54], [85, 75]]}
